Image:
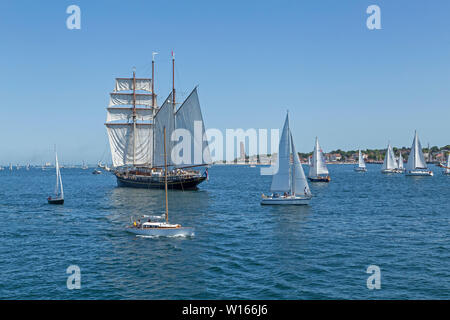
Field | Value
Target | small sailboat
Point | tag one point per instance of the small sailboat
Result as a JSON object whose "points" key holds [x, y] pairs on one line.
{"points": [[318, 171], [289, 185], [165, 229], [361, 164], [10, 167], [416, 165], [400, 167], [389, 164], [59, 192], [447, 167], [96, 171]]}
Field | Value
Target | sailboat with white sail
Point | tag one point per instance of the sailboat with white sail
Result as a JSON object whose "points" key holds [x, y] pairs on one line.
{"points": [[400, 167], [58, 198], [134, 125], [447, 168], [416, 165], [157, 228], [289, 185], [389, 164], [361, 164], [318, 171]]}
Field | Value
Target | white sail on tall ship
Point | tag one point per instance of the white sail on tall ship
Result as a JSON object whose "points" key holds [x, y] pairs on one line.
{"points": [[416, 165], [289, 184], [361, 164], [389, 164], [318, 171], [135, 125]]}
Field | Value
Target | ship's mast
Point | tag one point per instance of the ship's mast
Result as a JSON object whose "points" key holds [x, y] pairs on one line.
{"points": [[134, 116], [165, 176], [173, 81]]}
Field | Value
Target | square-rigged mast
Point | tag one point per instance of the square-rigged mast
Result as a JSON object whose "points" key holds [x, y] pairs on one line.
{"points": [[129, 121]]}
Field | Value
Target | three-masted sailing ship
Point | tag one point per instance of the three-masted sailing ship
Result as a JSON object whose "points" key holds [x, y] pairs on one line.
{"points": [[416, 165], [318, 171], [135, 125]]}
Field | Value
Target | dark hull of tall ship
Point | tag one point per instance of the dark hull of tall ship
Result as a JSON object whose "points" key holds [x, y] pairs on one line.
{"points": [[149, 182]]}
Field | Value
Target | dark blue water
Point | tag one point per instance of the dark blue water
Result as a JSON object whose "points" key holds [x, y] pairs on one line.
{"points": [[241, 250]]}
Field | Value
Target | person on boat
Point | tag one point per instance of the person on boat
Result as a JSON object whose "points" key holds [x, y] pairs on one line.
{"points": [[134, 223], [285, 194], [149, 220]]}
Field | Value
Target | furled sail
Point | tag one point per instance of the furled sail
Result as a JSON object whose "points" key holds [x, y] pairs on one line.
{"points": [[299, 184], [389, 162], [164, 118], [361, 162], [281, 179], [416, 159], [126, 114], [189, 117], [124, 149], [125, 84], [128, 99], [318, 165]]}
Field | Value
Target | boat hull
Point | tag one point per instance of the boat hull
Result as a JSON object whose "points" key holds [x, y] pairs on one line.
{"points": [[320, 179], [360, 169], [163, 232], [55, 201], [386, 171], [417, 173], [298, 201], [148, 182]]}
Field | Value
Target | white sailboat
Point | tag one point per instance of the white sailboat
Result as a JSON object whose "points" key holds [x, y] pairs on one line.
{"points": [[159, 229], [389, 164], [318, 171], [416, 165], [289, 185], [447, 168], [400, 167], [361, 164], [59, 192]]}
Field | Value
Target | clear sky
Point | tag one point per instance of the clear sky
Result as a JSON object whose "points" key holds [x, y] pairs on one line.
{"points": [[252, 60]]}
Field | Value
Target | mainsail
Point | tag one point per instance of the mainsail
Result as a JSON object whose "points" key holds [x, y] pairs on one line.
{"points": [[318, 165], [189, 117], [281, 181], [361, 163], [416, 159], [389, 162], [59, 191]]}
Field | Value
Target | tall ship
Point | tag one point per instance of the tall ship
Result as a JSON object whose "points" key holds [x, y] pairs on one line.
{"points": [[135, 125]]}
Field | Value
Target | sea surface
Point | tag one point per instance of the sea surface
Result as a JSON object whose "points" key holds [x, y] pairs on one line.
{"points": [[241, 250]]}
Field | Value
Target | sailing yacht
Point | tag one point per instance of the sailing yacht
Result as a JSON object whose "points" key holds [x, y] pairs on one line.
{"points": [[361, 164], [150, 228], [389, 164], [289, 185], [416, 165], [318, 171], [59, 192], [135, 123], [447, 168]]}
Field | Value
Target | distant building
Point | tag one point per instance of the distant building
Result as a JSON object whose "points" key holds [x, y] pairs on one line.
{"points": [[333, 157]]}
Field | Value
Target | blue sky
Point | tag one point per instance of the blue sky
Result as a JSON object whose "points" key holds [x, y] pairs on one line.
{"points": [[252, 60]]}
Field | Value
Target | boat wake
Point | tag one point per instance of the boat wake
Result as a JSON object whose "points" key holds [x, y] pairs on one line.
{"points": [[172, 236]]}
